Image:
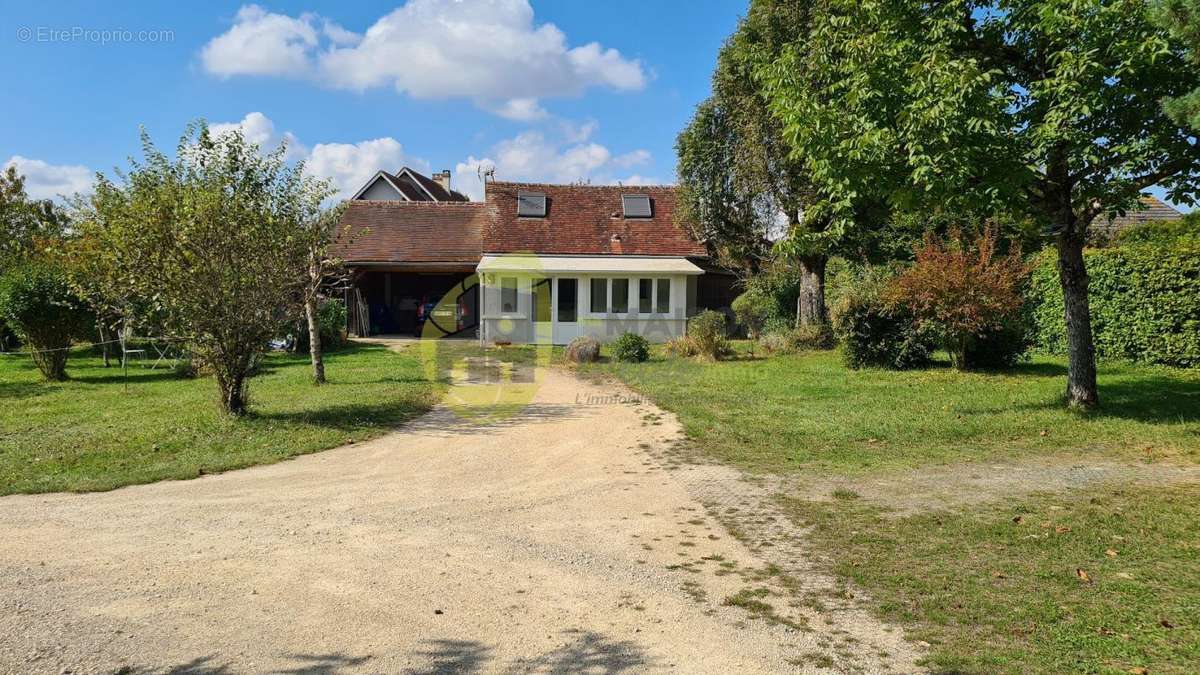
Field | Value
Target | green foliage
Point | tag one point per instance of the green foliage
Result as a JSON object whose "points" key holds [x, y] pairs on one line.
{"points": [[1002, 346], [216, 236], [736, 171], [1161, 232], [1182, 19], [37, 301], [951, 105], [331, 321], [708, 330], [752, 309], [876, 333], [1145, 302], [631, 347], [781, 283], [25, 224], [583, 349]]}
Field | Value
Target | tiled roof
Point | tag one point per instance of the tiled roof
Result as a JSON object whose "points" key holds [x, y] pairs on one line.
{"points": [[587, 220], [396, 231], [408, 189], [580, 219], [435, 188], [1153, 209]]}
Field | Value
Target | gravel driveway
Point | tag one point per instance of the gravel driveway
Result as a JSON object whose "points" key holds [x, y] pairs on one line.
{"points": [[552, 541]]}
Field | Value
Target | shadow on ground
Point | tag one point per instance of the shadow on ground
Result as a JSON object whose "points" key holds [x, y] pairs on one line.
{"points": [[306, 664], [584, 652]]}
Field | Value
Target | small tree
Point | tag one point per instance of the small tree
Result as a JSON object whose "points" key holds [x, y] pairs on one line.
{"points": [[962, 291], [319, 231], [215, 237], [752, 309], [37, 301]]}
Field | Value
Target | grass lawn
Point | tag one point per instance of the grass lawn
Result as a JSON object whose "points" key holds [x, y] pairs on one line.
{"points": [[1002, 589], [90, 433], [992, 586], [809, 413]]}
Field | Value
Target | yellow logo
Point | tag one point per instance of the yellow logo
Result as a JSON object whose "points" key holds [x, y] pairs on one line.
{"points": [[487, 384]]}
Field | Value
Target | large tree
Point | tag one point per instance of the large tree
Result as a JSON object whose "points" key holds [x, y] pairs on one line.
{"points": [[213, 237], [742, 185], [1051, 107], [1182, 18]]}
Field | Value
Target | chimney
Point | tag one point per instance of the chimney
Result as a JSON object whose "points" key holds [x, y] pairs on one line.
{"points": [[442, 178]]}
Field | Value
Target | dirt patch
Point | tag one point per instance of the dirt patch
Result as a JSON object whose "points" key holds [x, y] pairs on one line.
{"points": [[975, 483]]}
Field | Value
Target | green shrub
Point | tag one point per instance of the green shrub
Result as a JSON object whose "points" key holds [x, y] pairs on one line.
{"points": [[631, 347], [778, 286], [707, 330], [1145, 303], [1161, 232], [753, 309], [37, 301], [876, 333], [331, 323], [583, 349], [1001, 347]]}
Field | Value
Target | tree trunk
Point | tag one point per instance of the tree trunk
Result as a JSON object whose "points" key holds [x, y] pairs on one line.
{"points": [[314, 340], [1081, 353], [233, 392], [810, 304], [50, 359], [104, 346]]}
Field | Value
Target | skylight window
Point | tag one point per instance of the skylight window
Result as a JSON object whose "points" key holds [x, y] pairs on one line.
{"points": [[636, 206], [531, 204]]}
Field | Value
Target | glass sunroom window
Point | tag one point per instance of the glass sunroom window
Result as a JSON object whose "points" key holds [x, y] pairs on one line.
{"points": [[568, 293], [662, 296], [599, 301], [645, 295], [620, 296], [508, 294]]}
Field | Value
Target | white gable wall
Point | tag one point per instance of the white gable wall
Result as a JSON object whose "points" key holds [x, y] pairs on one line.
{"points": [[381, 191]]}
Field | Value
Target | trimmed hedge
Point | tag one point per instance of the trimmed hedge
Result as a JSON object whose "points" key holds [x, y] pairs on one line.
{"points": [[1145, 303]]}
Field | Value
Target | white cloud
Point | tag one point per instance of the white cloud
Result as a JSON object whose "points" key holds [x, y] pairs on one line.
{"points": [[347, 165], [257, 128], [490, 51], [635, 158], [47, 181], [532, 156], [517, 109], [262, 43], [350, 165]]}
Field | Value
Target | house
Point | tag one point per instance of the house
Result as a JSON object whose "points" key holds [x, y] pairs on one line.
{"points": [[1152, 209], [530, 263]]}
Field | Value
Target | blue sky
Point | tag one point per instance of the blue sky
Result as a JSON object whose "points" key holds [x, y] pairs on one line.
{"points": [[556, 91], [525, 90]]}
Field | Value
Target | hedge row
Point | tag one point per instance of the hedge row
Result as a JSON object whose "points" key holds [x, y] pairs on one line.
{"points": [[1145, 303]]}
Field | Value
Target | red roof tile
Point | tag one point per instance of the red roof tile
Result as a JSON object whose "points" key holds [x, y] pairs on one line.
{"points": [[580, 219], [396, 231], [586, 219], [1152, 209]]}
